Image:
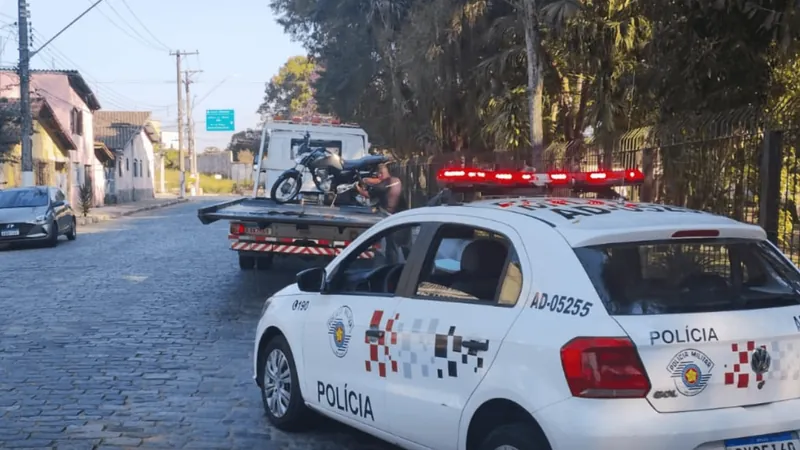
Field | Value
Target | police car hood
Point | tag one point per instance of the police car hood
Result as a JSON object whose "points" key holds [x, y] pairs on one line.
{"points": [[288, 290]]}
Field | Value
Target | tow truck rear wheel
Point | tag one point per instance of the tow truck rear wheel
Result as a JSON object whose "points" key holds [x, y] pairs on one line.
{"points": [[514, 436], [264, 262], [247, 262]]}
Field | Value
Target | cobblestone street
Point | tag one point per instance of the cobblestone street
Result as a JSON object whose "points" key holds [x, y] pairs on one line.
{"points": [[139, 334]]}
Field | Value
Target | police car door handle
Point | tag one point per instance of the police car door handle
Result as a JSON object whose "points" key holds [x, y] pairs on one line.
{"points": [[474, 345], [375, 333]]}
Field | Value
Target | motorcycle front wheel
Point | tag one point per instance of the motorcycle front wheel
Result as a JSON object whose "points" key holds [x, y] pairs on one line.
{"points": [[286, 187]]}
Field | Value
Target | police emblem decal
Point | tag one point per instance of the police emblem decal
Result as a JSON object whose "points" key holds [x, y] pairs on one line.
{"points": [[340, 327], [760, 361], [690, 370]]}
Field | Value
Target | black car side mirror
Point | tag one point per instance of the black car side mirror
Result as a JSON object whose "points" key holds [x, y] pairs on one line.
{"points": [[58, 204], [311, 280]]}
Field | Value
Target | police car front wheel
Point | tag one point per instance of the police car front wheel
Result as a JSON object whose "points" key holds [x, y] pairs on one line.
{"points": [[515, 436], [280, 389]]}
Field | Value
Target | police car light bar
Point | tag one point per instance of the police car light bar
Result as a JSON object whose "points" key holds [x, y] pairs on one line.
{"points": [[469, 176]]}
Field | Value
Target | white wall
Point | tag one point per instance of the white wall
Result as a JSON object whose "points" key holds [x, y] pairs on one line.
{"points": [[136, 183]]}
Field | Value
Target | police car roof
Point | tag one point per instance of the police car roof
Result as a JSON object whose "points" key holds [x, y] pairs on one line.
{"points": [[593, 222]]}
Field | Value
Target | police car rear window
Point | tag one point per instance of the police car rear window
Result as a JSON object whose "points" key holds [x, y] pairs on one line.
{"points": [[671, 277]]}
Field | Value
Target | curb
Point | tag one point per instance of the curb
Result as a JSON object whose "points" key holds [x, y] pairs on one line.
{"points": [[104, 217]]}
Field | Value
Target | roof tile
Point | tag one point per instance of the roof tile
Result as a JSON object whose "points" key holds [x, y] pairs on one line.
{"points": [[116, 128]]}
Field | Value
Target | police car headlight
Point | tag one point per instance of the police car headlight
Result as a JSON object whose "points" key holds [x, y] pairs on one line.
{"points": [[41, 220]]}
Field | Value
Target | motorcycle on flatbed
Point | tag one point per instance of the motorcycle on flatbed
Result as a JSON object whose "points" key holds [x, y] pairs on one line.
{"points": [[330, 174]]}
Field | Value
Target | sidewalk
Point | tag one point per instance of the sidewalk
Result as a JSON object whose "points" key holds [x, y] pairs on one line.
{"points": [[112, 212]]}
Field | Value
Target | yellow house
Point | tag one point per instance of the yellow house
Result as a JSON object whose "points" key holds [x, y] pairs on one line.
{"points": [[51, 146]]}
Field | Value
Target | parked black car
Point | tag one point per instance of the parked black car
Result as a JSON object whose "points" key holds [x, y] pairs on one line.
{"points": [[35, 214]]}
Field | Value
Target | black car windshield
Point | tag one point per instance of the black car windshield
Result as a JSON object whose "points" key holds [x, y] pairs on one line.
{"points": [[22, 198], [671, 277]]}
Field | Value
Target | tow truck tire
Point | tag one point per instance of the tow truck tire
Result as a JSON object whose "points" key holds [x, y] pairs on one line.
{"points": [[518, 436], [247, 262], [264, 262], [296, 416]]}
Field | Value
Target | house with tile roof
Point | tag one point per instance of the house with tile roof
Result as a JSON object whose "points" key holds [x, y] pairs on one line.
{"points": [[130, 136], [74, 103], [51, 145]]}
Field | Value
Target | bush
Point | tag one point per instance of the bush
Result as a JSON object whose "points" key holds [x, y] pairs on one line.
{"points": [[86, 198]]}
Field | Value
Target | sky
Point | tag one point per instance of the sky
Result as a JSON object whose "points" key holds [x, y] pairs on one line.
{"points": [[125, 56]]}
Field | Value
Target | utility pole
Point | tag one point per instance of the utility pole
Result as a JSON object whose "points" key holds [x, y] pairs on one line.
{"points": [[24, 73], [181, 155], [190, 130], [25, 95]]}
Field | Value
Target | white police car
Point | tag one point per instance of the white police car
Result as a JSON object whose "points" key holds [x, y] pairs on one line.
{"points": [[546, 323]]}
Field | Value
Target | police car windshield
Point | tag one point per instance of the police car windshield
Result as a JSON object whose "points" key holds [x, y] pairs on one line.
{"points": [[671, 277]]}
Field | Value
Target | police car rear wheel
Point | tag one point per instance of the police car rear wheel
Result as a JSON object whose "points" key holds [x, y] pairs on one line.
{"points": [[280, 391], [515, 436]]}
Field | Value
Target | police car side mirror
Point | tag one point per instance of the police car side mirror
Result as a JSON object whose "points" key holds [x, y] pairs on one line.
{"points": [[311, 280]]}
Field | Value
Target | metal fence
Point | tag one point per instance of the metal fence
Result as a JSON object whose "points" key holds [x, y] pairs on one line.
{"points": [[742, 164]]}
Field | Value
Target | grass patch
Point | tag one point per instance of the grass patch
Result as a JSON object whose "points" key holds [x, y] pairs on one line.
{"points": [[208, 183]]}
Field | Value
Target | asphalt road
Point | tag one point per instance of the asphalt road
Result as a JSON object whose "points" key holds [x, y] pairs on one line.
{"points": [[139, 334]]}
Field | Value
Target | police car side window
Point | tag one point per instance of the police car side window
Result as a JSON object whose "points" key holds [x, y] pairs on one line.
{"points": [[467, 263], [376, 265]]}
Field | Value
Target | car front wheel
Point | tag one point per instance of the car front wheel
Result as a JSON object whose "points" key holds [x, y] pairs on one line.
{"points": [[73, 230], [280, 388], [52, 238]]}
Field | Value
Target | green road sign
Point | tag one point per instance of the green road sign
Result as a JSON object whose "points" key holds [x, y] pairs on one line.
{"points": [[220, 120]]}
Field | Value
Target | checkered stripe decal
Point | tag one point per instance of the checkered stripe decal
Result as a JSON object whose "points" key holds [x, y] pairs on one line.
{"points": [[785, 363], [741, 373], [412, 353], [379, 351]]}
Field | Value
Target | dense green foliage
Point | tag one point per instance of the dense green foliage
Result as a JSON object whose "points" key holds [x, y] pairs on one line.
{"points": [[442, 75], [290, 92]]}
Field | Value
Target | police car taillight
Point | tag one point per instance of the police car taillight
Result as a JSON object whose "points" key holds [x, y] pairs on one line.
{"points": [[604, 367]]}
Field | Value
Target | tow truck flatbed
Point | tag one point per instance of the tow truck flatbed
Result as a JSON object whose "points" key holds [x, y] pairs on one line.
{"points": [[261, 228], [264, 210]]}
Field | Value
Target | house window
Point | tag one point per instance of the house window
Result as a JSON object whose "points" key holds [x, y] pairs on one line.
{"points": [[76, 121], [119, 164], [127, 165], [148, 171], [135, 168]]}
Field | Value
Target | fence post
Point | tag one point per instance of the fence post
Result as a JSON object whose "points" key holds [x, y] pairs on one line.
{"points": [[647, 192], [770, 175]]}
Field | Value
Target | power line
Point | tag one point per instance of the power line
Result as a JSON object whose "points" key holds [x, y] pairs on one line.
{"points": [[125, 3], [140, 40], [65, 28], [117, 98], [132, 28]]}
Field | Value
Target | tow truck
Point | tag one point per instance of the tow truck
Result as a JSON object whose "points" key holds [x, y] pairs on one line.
{"points": [[260, 228]]}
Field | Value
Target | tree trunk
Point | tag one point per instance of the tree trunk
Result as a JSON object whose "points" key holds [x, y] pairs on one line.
{"points": [[535, 82]]}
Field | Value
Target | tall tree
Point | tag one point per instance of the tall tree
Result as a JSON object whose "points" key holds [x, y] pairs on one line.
{"points": [[290, 91], [246, 140]]}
